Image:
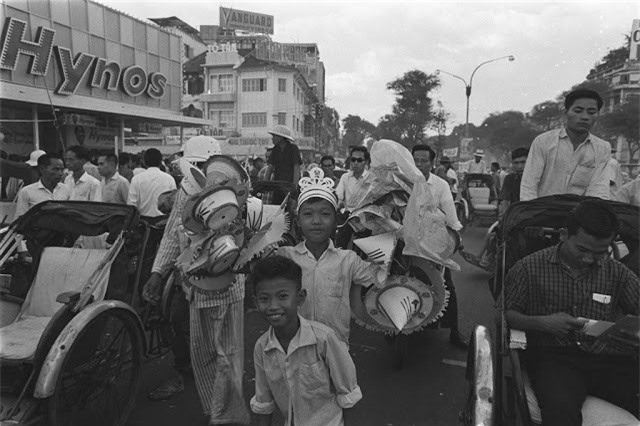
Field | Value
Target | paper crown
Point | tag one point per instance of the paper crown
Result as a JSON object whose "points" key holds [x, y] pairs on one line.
{"points": [[317, 186]]}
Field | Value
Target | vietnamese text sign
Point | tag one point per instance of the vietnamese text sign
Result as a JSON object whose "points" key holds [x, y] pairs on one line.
{"points": [[246, 21], [634, 51]]}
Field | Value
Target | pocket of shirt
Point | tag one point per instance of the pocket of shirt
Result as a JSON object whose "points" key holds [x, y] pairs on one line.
{"points": [[335, 284], [314, 379], [582, 176]]}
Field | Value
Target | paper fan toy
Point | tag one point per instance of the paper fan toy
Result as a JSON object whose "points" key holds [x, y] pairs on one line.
{"points": [[193, 180], [254, 213], [392, 308], [267, 237], [379, 250]]}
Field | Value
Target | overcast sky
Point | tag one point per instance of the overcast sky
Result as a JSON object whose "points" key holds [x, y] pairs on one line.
{"points": [[364, 45]]}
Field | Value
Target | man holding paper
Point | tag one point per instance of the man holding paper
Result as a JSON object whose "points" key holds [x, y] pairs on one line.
{"points": [[552, 294]]}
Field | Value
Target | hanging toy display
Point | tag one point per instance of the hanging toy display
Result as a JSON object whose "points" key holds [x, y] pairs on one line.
{"points": [[212, 218]]}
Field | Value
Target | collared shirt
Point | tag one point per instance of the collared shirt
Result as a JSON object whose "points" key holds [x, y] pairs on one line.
{"points": [[442, 199], [541, 284], [630, 192], [510, 190], [87, 188], [479, 167], [283, 158], [145, 189], [554, 167], [328, 281], [175, 241], [36, 193], [114, 189], [310, 383], [347, 188]]}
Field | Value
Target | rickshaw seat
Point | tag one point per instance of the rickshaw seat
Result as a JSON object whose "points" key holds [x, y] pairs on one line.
{"points": [[61, 269], [480, 199], [595, 411]]}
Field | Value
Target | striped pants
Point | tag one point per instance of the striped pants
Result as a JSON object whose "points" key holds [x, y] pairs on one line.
{"points": [[217, 358]]}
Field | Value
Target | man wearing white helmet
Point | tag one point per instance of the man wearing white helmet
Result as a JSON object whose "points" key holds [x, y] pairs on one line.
{"points": [[200, 148]]}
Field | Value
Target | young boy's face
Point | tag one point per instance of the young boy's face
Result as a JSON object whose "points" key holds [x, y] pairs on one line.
{"points": [[278, 299], [317, 220]]}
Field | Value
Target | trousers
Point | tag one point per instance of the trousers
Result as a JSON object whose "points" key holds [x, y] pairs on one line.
{"points": [[563, 377]]}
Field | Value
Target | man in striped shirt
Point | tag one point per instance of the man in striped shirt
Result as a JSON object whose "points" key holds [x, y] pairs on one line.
{"points": [[551, 294], [215, 333]]}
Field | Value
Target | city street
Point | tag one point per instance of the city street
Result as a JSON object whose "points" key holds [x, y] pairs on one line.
{"points": [[429, 390]]}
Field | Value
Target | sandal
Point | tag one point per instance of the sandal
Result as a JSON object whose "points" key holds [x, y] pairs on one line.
{"points": [[166, 390]]}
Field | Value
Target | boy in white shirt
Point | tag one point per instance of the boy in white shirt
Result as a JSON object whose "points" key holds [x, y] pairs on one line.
{"points": [[301, 366]]}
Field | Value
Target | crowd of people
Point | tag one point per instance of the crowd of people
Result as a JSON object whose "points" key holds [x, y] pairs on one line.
{"points": [[302, 363]]}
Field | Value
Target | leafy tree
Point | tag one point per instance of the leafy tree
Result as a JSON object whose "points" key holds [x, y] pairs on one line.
{"points": [[412, 111], [355, 130], [547, 115], [502, 132], [624, 122], [390, 127]]}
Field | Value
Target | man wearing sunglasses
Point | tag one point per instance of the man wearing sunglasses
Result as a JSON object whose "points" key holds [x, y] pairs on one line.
{"points": [[348, 186]]}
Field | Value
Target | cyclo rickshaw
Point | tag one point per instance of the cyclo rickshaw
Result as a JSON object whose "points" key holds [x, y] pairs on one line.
{"points": [[72, 343], [479, 198], [499, 389]]}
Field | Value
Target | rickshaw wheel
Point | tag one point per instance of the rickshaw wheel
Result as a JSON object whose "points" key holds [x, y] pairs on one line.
{"points": [[100, 375]]}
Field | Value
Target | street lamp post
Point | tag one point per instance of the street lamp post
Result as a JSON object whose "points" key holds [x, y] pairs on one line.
{"points": [[468, 92]]}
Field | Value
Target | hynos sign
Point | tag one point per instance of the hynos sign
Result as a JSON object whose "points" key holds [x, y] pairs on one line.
{"points": [[133, 80]]}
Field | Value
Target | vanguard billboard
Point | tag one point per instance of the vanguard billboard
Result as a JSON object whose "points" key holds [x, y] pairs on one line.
{"points": [[246, 21]]}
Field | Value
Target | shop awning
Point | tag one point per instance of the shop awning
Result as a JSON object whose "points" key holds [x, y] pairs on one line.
{"points": [[34, 95]]}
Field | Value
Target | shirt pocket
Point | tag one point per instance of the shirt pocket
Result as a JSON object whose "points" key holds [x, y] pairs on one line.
{"points": [[335, 284], [582, 176], [314, 380]]}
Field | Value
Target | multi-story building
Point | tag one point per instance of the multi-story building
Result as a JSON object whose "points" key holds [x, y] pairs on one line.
{"points": [[622, 74]]}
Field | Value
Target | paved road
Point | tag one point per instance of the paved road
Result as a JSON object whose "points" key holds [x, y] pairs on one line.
{"points": [[429, 390]]}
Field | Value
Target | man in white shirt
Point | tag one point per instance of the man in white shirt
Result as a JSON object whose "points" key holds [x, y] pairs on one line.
{"points": [[82, 186], [478, 165], [47, 188], [147, 186], [614, 174], [350, 182], [569, 160], [440, 191], [114, 188]]}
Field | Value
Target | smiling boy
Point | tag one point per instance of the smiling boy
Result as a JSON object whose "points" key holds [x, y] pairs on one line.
{"points": [[301, 366], [327, 271]]}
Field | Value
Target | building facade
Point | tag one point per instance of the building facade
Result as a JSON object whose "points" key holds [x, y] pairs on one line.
{"points": [[83, 73]]}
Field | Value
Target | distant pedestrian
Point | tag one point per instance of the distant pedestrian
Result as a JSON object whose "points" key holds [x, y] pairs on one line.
{"points": [[629, 192], [138, 167], [477, 165], [147, 186], [496, 173], [82, 186], [114, 188], [285, 159], [302, 368], [258, 165], [262, 175], [328, 165], [614, 174], [14, 184], [125, 166], [49, 187]]}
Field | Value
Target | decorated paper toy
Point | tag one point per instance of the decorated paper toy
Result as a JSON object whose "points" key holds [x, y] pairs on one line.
{"points": [[193, 180]]}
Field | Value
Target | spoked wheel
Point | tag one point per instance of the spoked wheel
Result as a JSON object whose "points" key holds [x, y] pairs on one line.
{"points": [[100, 374]]}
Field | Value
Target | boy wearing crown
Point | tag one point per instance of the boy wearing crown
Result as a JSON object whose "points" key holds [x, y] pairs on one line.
{"points": [[327, 272]]}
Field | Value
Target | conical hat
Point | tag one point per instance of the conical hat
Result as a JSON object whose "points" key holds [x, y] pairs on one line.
{"points": [[193, 180], [379, 250]]}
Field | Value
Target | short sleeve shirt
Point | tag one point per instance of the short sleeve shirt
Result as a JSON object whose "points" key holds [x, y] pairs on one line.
{"points": [[283, 158]]}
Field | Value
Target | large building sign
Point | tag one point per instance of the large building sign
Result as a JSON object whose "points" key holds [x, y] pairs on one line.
{"points": [[634, 48], [246, 21], [132, 80]]}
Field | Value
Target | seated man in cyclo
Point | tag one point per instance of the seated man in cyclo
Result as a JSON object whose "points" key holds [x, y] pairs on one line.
{"points": [[509, 193], [550, 295]]}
